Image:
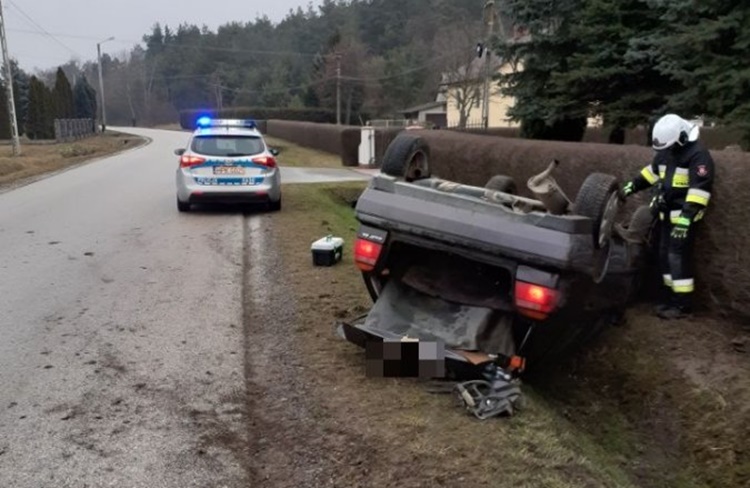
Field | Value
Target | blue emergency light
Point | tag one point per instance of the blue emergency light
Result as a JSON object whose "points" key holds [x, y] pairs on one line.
{"points": [[205, 122]]}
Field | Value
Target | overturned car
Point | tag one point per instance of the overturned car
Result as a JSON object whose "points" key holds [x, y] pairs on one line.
{"points": [[499, 279]]}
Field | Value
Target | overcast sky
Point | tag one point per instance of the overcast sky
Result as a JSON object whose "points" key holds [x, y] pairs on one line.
{"points": [[76, 26]]}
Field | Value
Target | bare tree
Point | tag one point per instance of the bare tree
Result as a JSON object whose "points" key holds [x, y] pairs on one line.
{"points": [[461, 79]]}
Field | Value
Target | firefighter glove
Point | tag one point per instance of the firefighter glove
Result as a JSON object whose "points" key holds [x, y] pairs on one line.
{"points": [[680, 229], [627, 190]]}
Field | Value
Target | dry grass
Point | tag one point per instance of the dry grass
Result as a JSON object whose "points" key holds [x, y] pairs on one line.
{"points": [[421, 435], [39, 159], [293, 155], [175, 126], [648, 405]]}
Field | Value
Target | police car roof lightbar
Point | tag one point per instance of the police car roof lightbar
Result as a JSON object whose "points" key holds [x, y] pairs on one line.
{"points": [[205, 122]]}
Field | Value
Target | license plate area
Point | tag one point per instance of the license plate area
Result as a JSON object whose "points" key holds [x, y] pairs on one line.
{"points": [[229, 170]]}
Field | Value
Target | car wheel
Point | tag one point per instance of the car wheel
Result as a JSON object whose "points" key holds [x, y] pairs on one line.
{"points": [[275, 206], [407, 157], [183, 206], [502, 183], [598, 200]]}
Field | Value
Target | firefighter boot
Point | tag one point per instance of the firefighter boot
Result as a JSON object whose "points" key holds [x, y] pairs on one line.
{"points": [[667, 300], [681, 308]]}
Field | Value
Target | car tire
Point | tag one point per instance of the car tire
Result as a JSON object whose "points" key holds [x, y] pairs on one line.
{"points": [[183, 206], [275, 206], [407, 157], [502, 183], [598, 200]]}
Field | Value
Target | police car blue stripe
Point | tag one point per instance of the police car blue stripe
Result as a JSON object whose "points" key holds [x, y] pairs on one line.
{"points": [[229, 181]]}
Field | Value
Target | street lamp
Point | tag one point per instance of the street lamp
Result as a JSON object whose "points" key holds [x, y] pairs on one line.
{"points": [[101, 80]]}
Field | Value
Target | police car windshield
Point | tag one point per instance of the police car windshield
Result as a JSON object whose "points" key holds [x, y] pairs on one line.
{"points": [[227, 146]]}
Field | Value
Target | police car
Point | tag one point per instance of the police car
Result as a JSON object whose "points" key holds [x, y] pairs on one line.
{"points": [[227, 161]]}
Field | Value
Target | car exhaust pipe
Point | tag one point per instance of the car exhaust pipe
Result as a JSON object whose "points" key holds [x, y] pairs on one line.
{"points": [[547, 191]]}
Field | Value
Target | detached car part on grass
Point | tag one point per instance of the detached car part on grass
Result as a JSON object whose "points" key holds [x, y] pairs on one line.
{"points": [[507, 283]]}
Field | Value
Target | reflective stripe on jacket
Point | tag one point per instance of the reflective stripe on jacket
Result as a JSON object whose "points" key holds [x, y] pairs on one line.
{"points": [[685, 178]]}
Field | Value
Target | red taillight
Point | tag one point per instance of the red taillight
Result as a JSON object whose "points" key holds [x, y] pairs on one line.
{"points": [[535, 301], [268, 161], [187, 161], [366, 254]]}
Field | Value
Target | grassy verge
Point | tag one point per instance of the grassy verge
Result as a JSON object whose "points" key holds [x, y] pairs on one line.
{"points": [[39, 159], [418, 432], [293, 155]]}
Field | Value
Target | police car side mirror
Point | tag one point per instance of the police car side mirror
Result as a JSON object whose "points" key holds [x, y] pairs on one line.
{"points": [[275, 152], [179, 152]]}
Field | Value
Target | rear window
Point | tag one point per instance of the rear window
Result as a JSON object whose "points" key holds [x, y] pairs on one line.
{"points": [[227, 146]]}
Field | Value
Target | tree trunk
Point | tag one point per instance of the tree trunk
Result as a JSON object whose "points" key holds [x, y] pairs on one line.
{"points": [[349, 107]]}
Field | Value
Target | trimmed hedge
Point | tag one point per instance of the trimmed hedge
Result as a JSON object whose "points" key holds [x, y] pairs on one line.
{"points": [[337, 139], [188, 117], [721, 257], [715, 138], [342, 140]]}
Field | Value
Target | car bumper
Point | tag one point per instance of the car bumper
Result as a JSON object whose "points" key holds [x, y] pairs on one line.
{"points": [[458, 364], [191, 189]]}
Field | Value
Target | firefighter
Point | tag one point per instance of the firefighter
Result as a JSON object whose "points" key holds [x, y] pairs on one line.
{"points": [[683, 173]]}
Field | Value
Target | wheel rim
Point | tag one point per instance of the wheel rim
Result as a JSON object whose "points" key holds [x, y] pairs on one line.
{"points": [[608, 220], [417, 166]]}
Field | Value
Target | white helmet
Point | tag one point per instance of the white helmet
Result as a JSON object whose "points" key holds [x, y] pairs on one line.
{"points": [[672, 129]]}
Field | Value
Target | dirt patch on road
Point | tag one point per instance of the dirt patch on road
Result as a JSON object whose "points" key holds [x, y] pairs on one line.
{"points": [[39, 159]]}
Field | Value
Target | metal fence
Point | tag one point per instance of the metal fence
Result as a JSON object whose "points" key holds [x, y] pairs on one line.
{"points": [[73, 129]]}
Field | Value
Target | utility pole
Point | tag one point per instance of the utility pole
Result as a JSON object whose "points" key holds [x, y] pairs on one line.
{"points": [[489, 20], [218, 90], [101, 81], [338, 89], [9, 87]]}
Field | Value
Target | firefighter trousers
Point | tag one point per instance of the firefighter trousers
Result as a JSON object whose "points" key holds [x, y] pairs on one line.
{"points": [[675, 260]]}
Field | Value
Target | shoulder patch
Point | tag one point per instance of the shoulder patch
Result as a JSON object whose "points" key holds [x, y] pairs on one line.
{"points": [[702, 170]]}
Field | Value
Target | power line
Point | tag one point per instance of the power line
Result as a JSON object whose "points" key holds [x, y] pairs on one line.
{"points": [[42, 29], [279, 90], [56, 34], [176, 46]]}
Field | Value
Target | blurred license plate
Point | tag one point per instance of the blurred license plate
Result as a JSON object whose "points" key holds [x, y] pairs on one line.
{"points": [[229, 170]]}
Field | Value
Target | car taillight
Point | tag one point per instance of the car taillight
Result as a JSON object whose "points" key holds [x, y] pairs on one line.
{"points": [[187, 161], [535, 301], [366, 254], [268, 161]]}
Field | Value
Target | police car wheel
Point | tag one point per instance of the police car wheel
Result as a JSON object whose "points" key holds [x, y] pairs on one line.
{"points": [[183, 206], [275, 206]]}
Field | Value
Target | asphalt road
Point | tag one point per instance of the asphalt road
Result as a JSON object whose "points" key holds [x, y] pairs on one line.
{"points": [[121, 325]]}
